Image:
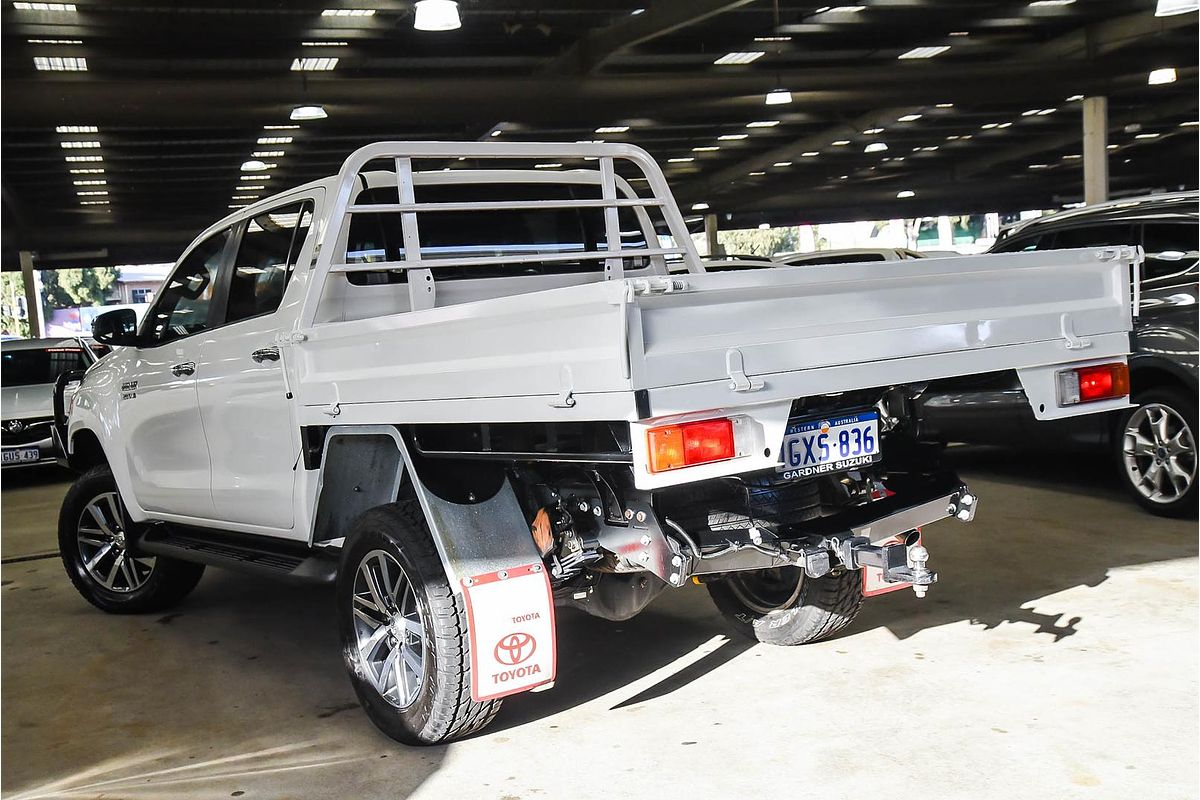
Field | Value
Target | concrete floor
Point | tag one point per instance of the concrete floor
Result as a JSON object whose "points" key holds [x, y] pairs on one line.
{"points": [[1057, 658]]}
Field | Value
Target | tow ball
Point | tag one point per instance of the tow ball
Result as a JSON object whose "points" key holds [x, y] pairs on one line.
{"points": [[900, 562]]}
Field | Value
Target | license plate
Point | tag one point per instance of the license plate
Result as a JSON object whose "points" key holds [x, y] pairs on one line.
{"points": [[23, 456], [829, 444]]}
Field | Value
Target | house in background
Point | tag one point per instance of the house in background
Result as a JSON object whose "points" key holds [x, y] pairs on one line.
{"points": [[138, 284]]}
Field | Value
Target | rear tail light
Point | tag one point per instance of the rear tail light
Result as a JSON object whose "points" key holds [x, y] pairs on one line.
{"points": [[1088, 384], [690, 443]]}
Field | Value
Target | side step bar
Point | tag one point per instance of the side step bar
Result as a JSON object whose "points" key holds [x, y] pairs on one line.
{"points": [[259, 555]]}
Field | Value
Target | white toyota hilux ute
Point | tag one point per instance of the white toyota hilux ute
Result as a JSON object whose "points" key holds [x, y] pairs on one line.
{"points": [[468, 391]]}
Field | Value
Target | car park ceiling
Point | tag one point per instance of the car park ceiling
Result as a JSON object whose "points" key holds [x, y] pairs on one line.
{"points": [[180, 93]]}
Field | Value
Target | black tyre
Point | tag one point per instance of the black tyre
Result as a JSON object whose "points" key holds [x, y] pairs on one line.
{"points": [[781, 606], [92, 532], [404, 631], [1155, 449]]}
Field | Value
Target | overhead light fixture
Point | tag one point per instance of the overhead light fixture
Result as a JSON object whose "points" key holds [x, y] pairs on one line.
{"points": [[681, 160], [612, 129], [255, 177], [904, 194], [55, 41], [93, 171], [436, 15], [875, 147], [76, 129], [841, 143], [250, 188], [944, 105], [83, 159], [732, 137], [1003, 125], [637, 11], [1039, 166], [275, 140], [740, 57], [91, 183], [1191, 123], [1111, 146], [549, 165], [281, 127], [325, 64], [1170, 8], [766, 123], [811, 153], [253, 165], [327, 43], [244, 197], [782, 164], [93, 202], [307, 113], [1161, 76], [1050, 3], [756, 173], [91, 145], [60, 64], [764, 226], [348, 12], [925, 52], [1071, 157], [44, 6], [872, 131], [772, 38], [909, 118], [778, 97], [960, 33], [699, 206], [706, 149], [1147, 136], [268, 153], [1074, 98], [843, 9], [93, 193]]}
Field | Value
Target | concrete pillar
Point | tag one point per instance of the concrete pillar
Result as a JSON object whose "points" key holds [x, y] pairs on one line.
{"points": [[1095, 153], [710, 234], [33, 303], [945, 233]]}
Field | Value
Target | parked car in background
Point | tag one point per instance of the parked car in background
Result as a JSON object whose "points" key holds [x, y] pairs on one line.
{"points": [[30, 368], [855, 255], [1153, 445]]}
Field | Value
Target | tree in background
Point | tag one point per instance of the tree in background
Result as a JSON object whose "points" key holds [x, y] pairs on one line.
{"points": [[68, 288], [760, 241], [12, 297]]}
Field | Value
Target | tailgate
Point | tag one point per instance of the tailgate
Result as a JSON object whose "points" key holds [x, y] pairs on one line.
{"points": [[806, 330]]}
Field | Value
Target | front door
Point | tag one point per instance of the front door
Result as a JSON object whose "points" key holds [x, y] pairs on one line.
{"points": [[168, 453], [253, 438]]}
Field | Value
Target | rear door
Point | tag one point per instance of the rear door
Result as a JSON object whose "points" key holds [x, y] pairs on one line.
{"points": [[253, 439], [167, 451]]}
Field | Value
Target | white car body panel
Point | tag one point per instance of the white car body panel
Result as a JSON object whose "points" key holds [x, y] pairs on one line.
{"points": [[27, 402]]}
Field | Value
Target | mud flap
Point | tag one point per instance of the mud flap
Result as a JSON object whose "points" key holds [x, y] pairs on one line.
{"points": [[510, 615]]}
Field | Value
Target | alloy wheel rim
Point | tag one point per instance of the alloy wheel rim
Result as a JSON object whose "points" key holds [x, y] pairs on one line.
{"points": [[389, 629], [1159, 452], [103, 549]]}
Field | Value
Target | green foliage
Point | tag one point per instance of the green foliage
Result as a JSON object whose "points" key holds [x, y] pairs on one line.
{"points": [[759, 242], [67, 288], [12, 290]]}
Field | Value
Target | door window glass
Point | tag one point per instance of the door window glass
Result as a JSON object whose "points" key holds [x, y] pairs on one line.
{"points": [[1091, 236], [1170, 248], [265, 260], [186, 299]]}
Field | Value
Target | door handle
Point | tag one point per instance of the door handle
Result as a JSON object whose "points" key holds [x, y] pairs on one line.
{"points": [[186, 368], [265, 354]]}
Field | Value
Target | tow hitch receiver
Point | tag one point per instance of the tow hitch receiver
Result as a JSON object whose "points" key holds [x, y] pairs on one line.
{"points": [[900, 562]]}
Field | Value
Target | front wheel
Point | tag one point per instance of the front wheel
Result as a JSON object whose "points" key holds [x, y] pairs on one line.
{"points": [[784, 607], [1155, 447], [93, 541], [404, 631]]}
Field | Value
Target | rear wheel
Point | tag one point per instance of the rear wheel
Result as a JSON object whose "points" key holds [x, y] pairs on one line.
{"points": [[784, 607], [404, 631], [1156, 451], [94, 541]]}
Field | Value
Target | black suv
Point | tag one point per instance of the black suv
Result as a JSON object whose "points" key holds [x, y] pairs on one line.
{"points": [[1153, 445]]}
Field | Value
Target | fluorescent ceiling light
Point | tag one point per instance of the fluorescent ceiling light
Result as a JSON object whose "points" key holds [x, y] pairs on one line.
{"points": [[811, 153], [551, 165], [253, 166], [250, 188], [93, 202], [782, 164], [612, 129], [275, 140], [1189, 124], [348, 12], [712, 147], [245, 197], [841, 143], [772, 38], [732, 137], [1003, 125], [764, 226], [60, 64], [637, 11], [778, 97], [91, 183], [872, 131], [79, 145], [1073, 98], [681, 160], [1050, 3], [740, 57], [268, 153], [313, 64], [1147, 136], [699, 206], [960, 33], [925, 52], [756, 173], [1161, 76], [44, 6], [1031, 112], [766, 123], [1039, 166], [875, 147], [436, 15], [55, 41], [254, 177], [76, 129], [93, 171], [905, 193], [1169, 8], [909, 118], [843, 9], [281, 127], [332, 43], [944, 105], [93, 193], [84, 159], [496, 133], [1072, 157], [928, 149], [306, 113]]}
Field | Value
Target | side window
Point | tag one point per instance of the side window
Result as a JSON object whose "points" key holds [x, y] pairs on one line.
{"points": [[1093, 236], [1021, 244], [185, 302], [1170, 247], [265, 260]]}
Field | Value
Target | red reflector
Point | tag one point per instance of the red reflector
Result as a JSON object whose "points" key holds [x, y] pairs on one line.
{"points": [[690, 443], [1103, 382]]}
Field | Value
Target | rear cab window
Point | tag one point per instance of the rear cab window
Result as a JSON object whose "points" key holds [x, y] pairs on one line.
{"points": [[42, 365]]}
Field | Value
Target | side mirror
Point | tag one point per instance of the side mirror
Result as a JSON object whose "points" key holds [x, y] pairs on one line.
{"points": [[116, 328]]}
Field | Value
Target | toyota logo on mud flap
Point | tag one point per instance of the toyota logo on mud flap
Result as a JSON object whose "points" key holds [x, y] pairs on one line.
{"points": [[15, 426], [515, 648]]}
